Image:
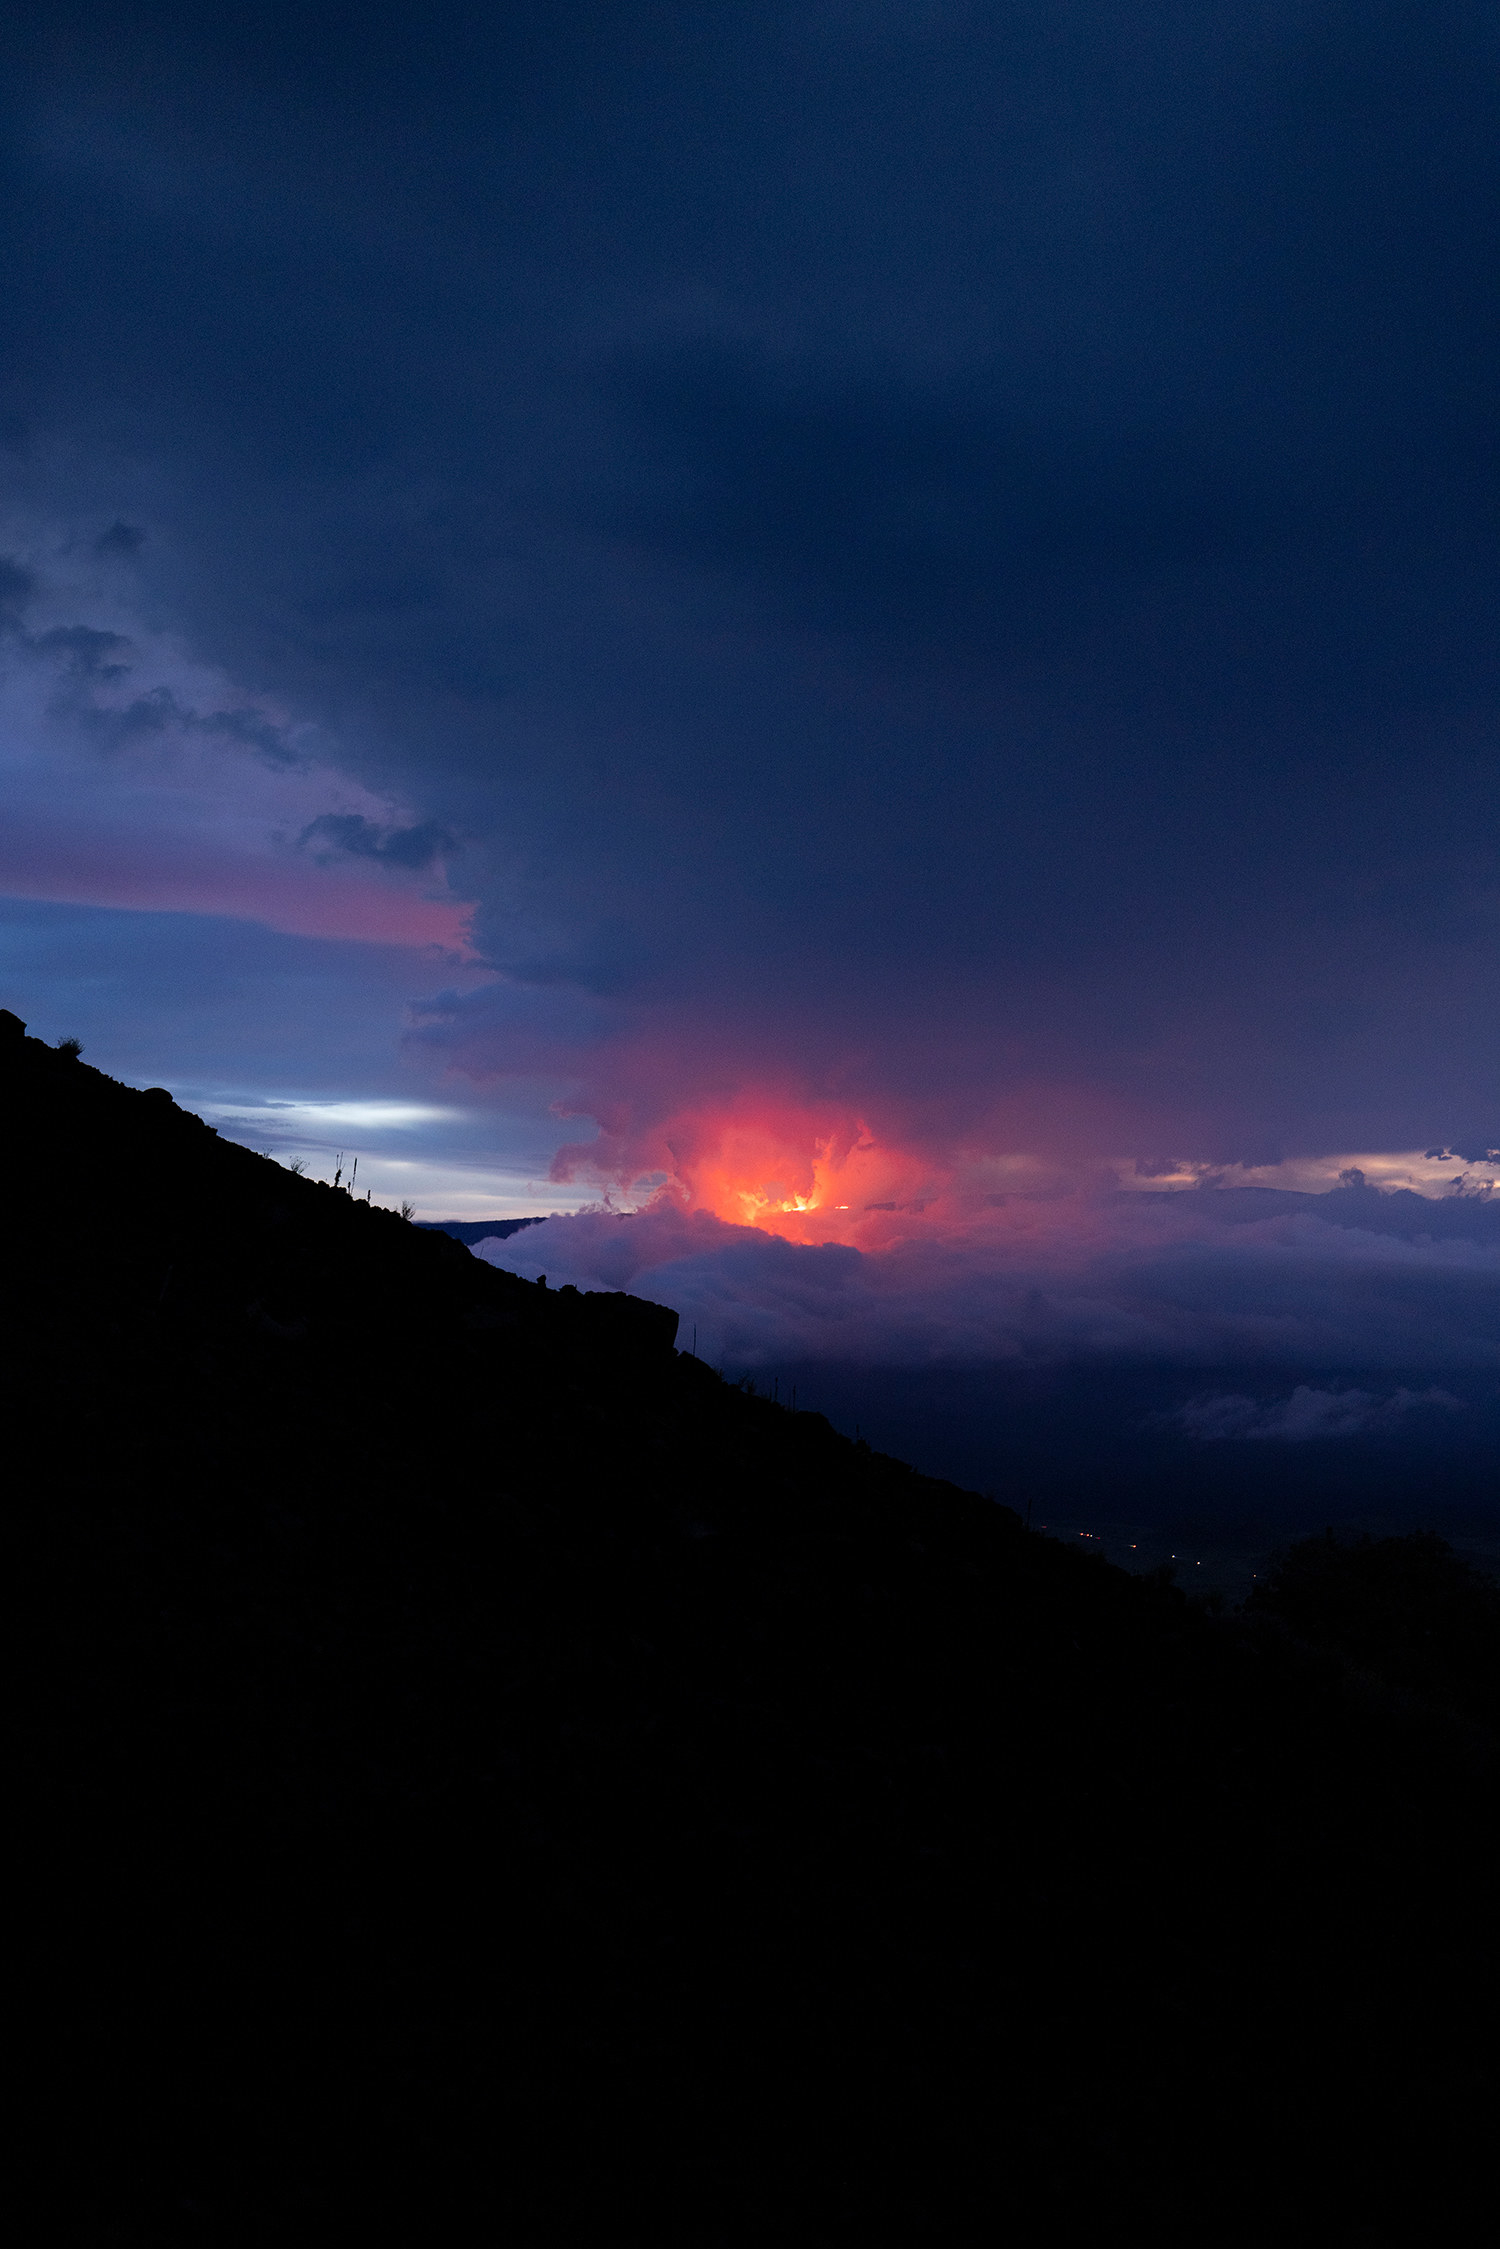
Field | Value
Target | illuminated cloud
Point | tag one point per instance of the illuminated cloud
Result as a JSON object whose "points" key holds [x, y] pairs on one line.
{"points": [[1077, 1276]]}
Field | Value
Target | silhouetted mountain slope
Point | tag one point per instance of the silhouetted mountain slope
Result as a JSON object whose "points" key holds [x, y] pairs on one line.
{"points": [[484, 1777]]}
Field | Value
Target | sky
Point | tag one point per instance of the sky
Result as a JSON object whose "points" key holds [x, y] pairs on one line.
{"points": [[868, 626]]}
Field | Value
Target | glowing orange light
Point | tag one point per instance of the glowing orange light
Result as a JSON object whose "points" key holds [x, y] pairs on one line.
{"points": [[791, 1171], [810, 1171]]}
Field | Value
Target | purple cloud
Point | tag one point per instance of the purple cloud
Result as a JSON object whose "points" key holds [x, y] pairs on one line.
{"points": [[1085, 1277]]}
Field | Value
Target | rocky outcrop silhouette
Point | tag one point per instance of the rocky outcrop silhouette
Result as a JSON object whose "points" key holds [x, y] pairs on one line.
{"points": [[484, 1776]]}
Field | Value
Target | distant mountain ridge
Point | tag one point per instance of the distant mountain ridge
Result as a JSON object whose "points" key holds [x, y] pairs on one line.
{"points": [[1471, 1215], [472, 1230]]}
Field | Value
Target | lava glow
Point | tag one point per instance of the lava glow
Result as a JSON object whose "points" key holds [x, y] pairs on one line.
{"points": [[815, 1173], [803, 1176]]}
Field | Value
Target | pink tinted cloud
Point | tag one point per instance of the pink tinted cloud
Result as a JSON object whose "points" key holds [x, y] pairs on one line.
{"points": [[123, 864], [134, 777]]}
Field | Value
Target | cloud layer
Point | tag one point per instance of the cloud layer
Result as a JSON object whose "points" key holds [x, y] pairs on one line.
{"points": [[1307, 1416], [1083, 1277]]}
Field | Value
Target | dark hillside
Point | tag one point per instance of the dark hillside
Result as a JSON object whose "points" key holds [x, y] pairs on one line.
{"points": [[1408, 1610], [485, 1778]]}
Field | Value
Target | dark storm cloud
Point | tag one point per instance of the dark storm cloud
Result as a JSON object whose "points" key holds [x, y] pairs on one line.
{"points": [[943, 555], [90, 658], [120, 539], [86, 652], [918, 520], [16, 589], [413, 848], [88, 664]]}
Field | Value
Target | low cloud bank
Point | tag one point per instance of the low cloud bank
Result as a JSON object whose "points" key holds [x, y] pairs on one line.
{"points": [[1071, 1278], [1306, 1415]]}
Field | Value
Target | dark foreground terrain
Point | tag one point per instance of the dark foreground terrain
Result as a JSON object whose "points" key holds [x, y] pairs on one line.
{"points": [[483, 1778]]}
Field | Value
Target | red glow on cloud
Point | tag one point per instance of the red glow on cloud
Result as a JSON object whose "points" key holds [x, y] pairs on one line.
{"points": [[803, 1172], [805, 1177]]}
